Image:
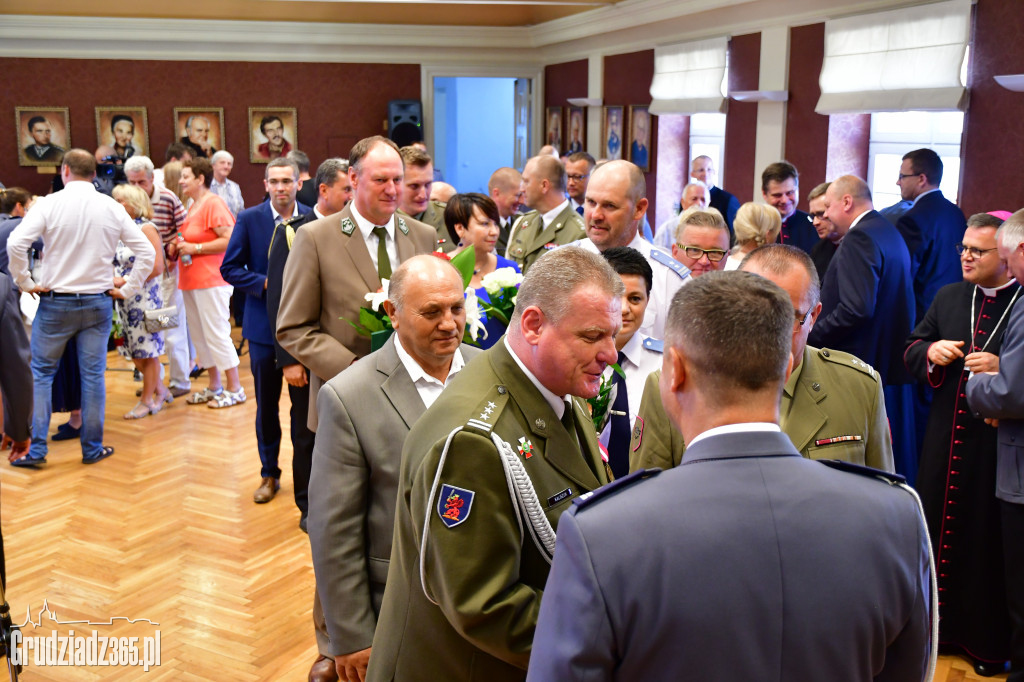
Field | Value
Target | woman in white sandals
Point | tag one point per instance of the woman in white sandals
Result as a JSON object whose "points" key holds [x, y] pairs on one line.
{"points": [[142, 347], [200, 249]]}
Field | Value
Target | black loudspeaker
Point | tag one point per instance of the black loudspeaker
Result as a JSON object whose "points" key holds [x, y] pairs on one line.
{"points": [[405, 121]]}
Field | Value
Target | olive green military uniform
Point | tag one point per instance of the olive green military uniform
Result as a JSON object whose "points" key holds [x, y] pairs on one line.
{"points": [[832, 408], [529, 239], [434, 216], [468, 609]]}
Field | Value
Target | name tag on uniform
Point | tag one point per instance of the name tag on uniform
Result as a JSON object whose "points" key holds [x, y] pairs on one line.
{"points": [[558, 497]]}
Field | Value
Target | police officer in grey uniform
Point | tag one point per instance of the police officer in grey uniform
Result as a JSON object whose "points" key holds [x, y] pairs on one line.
{"points": [[832, 405], [552, 222], [486, 472]]}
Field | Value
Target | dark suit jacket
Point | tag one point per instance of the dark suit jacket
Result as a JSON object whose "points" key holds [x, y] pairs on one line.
{"points": [[932, 228], [245, 267], [868, 299], [1000, 396], [747, 562], [15, 374], [798, 231], [54, 154], [726, 204], [365, 414], [276, 259]]}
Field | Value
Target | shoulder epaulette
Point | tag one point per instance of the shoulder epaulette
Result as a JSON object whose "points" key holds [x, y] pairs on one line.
{"points": [[666, 259], [486, 413], [656, 345], [439, 204], [618, 485], [847, 360], [862, 470]]}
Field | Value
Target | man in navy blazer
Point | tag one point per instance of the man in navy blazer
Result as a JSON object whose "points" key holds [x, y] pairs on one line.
{"points": [[868, 305], [747, 561], [932, 227], [245, 267], [999, 395]]}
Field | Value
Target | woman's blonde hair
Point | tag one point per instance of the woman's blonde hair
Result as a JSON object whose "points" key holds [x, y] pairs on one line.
{"points": [[136, 199], [757, 223]]}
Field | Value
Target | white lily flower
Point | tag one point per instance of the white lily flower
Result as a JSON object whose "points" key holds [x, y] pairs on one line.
{"points": [[474, 315], [375, 298], [500, 279]]}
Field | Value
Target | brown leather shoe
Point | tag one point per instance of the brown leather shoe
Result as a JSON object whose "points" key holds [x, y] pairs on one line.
{"points": [[323, 670], [265, 493]]}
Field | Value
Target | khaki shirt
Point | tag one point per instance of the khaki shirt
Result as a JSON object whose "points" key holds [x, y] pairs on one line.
{"points": [[530, 239]]}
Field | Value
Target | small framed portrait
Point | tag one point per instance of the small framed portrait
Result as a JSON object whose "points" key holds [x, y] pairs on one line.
{"points": [[126, 129], [553, 129], [44, 133], [273, 132], [200, 128], [611, 133], [577, 129], [640, 137]]}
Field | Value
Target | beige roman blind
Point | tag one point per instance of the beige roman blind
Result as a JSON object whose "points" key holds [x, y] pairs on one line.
{"points": [[688, 77]]}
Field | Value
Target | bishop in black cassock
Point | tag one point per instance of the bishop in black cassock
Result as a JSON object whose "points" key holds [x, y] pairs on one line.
{"points": [[957, 475]]}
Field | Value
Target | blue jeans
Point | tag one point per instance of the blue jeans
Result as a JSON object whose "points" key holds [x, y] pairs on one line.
{"points": [[58, 319]]}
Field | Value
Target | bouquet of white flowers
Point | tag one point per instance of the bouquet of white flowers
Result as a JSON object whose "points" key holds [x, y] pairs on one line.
{"points": [[502, 286]]}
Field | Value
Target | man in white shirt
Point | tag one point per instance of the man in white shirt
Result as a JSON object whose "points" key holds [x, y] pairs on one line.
{"points": [[80, 229], [222, 186], [614, 207], [366, 412]]}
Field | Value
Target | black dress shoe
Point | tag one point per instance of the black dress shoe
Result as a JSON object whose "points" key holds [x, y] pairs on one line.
{"points": [[989, 669], [66, 432]]}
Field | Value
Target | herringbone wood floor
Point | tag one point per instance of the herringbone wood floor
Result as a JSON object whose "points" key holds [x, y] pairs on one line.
{"points": [[166, 530]]}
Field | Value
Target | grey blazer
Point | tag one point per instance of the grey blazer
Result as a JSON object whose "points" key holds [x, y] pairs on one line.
{"points": [[1001, 396], [365, 413]]}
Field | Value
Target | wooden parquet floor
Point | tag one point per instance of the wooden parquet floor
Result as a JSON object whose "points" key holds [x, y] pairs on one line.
{"points": [[166, 530]]}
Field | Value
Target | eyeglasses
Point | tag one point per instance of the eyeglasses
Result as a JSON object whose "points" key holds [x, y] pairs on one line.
{"points": [[907, 175], [972, 251], [696, 253], [577, 178], [801, 317], [820, 215]]}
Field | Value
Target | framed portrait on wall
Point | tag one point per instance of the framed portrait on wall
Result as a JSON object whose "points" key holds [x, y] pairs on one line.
{"points": [[553, 129], [200, 128], [611, 133], [273, 132], [640, 137], [576, 126], [44, 133], [126, 129]]}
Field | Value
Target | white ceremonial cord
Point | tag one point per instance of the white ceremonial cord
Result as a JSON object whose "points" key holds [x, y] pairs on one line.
{"points": [[525, 494]]}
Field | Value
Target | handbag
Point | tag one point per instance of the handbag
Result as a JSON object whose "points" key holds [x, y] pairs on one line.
{"points": [[160, 319]]}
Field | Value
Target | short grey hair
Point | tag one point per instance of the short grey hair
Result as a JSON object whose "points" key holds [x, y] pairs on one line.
{"points": [[554, 277], [327, 173], [701, 217], [139, 163], [1011, 232], [222, 154], [737, 348]]}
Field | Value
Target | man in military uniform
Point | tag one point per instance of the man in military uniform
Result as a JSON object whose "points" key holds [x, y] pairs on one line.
{"points": [[414, 200], [832, 405], [485, 474], [552, 222]]}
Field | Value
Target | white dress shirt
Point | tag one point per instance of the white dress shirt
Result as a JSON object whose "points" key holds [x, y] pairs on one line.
{"points": [[428, 387], [366, 229], [80, 228], [549, 217], [665, 284], [748, 427], [638, 364]]}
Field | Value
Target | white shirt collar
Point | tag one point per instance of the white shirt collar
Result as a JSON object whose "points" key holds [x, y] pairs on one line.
{"points": [[366, 227], [417, 373], [276, 215], [550, 216], [633, 348], [992, 292], [918, 197], [557, 404], [857, 219], [748, 427], [317, 213]]}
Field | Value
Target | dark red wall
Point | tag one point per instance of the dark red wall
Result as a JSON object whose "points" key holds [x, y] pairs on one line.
{"points": [[562, 81], [993, 142], [337, 103], [741, 123], [627, 80], [806, 131]]}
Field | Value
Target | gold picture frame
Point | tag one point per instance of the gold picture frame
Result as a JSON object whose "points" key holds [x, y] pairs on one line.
{"points": [[52, 138], [273, 132]]}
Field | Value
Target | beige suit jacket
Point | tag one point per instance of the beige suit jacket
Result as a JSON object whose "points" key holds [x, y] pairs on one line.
{"points": [[326, 279]]}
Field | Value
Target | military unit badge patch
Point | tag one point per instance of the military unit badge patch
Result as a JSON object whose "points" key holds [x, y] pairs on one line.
{"points": [[453, 504]]}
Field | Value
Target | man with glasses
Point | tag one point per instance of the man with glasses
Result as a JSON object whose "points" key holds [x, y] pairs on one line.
{"points": [[962, 334], [832, 405], [931, 227], [578, 167], [702, 242], [829, 240]]}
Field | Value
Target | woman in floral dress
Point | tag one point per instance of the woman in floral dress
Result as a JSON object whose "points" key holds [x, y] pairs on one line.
{"points": [[142, 347]]}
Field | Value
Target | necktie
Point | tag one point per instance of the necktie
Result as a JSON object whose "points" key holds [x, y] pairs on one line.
{"points": [[618, 440], [570, 423], [579, 209], [383, 262]]}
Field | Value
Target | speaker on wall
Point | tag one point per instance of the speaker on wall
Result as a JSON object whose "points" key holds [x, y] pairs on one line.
{"points": [[405, 121]]}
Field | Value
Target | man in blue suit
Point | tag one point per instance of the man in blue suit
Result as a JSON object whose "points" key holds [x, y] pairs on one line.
{"points": [[998, 395], [932, 227], [245, 267], [868, 305]]}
